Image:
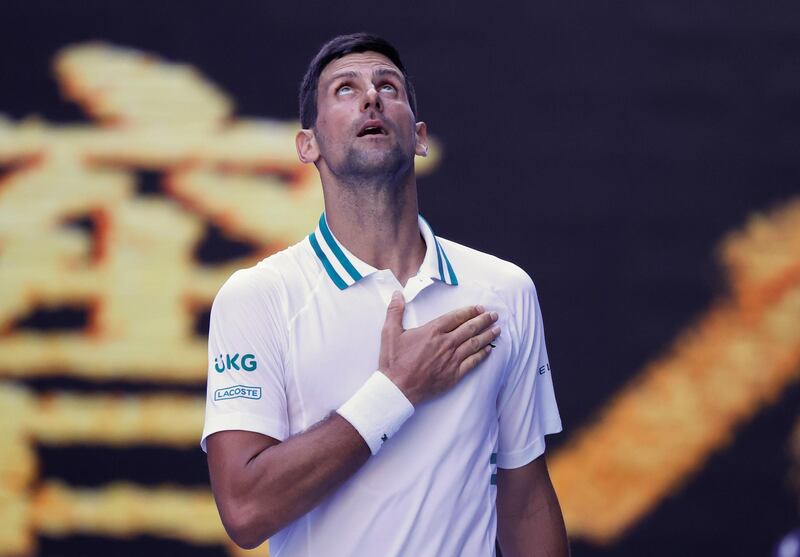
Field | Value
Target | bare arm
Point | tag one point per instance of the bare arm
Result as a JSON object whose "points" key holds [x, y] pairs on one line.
{"points": [[261, 485], [529, 520]]}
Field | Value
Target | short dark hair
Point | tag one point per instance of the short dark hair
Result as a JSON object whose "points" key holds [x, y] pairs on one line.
{"points": [[336, 48]]}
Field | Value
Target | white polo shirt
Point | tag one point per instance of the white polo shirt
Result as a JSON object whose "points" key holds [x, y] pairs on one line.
{"points": [[294, 337]]}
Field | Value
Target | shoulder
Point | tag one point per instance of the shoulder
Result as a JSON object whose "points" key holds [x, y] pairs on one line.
{"points": [[271, 282], [507, 279]]}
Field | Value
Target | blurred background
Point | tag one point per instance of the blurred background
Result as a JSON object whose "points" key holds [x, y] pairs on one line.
{"points": [[638, 159]]}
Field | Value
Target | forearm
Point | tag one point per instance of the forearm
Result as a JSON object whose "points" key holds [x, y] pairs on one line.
{"points": [[532, 525], [537, 532], [287, 480]]}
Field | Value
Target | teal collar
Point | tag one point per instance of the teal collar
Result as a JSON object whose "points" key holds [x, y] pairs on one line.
{"points": [[345, 269]]}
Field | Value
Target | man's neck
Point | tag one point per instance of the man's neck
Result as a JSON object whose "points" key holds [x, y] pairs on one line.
{"points": [[379, 226]]}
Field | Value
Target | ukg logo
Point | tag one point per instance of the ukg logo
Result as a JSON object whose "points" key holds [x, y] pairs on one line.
{"points": [[226, 361]]}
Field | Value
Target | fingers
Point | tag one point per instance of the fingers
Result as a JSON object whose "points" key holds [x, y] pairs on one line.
{"points": [[394, 314], [472, 327], [453, 319], [476, 343], [473, 360]]}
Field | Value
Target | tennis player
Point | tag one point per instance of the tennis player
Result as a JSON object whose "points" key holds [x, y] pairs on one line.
{"points": [[375, 389]]}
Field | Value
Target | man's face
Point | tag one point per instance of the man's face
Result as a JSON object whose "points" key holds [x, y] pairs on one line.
{"points": [[365, 129]]}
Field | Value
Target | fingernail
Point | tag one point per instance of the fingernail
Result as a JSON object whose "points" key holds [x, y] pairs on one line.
{"points": [[493, 315], [396, 295], [496, 330], [480, 308]]}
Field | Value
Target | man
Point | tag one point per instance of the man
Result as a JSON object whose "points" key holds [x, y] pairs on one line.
{"points": [[361, 397]]}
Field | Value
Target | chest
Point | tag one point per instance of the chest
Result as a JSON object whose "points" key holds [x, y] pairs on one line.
{"points": [[336, 345]]}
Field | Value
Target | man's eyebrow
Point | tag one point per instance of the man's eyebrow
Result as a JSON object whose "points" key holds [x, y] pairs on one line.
{"points": [[387, 71], [376, 73], [350, 74]]}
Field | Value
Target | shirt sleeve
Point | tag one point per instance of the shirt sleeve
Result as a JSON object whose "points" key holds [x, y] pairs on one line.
{"points": [[246, 343], [527, 409]]}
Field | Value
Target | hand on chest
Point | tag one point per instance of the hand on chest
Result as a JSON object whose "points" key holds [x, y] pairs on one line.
{"points": [[338, 345]]}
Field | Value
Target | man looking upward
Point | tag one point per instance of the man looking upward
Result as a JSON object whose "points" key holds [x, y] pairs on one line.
{"points": [[361, 397]]}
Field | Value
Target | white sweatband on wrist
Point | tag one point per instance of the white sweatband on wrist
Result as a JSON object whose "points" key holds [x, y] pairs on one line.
{"points": [[377, 410]]}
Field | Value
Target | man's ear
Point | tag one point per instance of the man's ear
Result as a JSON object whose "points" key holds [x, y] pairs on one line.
{"points": [[306, 144], [421, 148]]}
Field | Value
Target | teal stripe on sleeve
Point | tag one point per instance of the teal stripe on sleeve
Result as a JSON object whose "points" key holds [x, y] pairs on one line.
{"points": [[337, 251], [337, 280]]}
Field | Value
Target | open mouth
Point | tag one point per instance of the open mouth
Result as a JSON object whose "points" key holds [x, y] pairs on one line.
{"points": [[371, 128]]}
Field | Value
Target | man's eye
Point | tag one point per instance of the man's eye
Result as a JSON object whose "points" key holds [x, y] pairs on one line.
{"points": [[343, 90], [388, 87]]}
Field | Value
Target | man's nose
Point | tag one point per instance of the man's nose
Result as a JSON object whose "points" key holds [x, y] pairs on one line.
{"points": [[372, 99]]}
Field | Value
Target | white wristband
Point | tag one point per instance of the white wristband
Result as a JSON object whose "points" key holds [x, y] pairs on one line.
{"points": [[377, 410]]}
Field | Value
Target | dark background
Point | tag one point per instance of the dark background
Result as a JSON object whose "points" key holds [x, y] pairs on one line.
{"points": [[604, 147]]}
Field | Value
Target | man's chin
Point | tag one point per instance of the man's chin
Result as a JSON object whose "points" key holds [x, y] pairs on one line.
{"points": [[373, 147], [375, 163]]}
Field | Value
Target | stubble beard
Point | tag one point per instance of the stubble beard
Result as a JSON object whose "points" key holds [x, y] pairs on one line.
{"points": [[373, 169]]}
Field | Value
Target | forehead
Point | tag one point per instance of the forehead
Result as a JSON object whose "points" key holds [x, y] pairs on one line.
{"points": [[359, 62]]}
